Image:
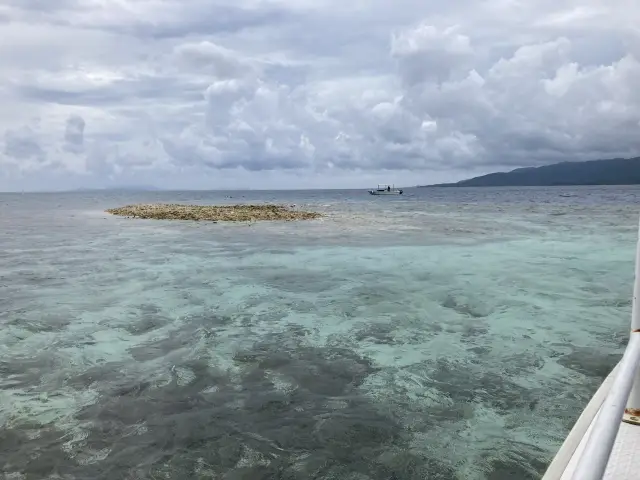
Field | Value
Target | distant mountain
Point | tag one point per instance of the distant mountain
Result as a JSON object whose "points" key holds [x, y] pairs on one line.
{"points": [[136, 188], [617, 171], [132, 188]]}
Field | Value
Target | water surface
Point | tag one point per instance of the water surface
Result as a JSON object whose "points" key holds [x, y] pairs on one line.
{"points": [[443, 334]]}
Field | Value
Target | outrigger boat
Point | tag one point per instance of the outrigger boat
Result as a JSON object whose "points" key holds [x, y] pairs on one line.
{"points": [[604, 443], [384, 189]]}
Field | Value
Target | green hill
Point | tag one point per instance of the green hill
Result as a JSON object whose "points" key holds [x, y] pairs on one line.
{"points": [[617, 171]]}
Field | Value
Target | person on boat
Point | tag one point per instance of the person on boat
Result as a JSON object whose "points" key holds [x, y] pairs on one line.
{"points": [[388, 188]]}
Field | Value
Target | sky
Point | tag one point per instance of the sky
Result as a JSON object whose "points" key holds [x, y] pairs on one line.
{"points": [[212, 94]]}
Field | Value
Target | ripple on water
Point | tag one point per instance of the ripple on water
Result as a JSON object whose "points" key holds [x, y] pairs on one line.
{"points": [[448, 338]]}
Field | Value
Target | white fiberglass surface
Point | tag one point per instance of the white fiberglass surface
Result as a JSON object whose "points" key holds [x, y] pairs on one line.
{"points": [[444, 334]]}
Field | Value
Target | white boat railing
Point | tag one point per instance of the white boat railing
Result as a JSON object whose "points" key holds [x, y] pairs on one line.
{"points": [[621, 404], [595, 456]]}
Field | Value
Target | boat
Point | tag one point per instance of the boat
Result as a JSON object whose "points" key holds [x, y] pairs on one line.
{"points": [[384, 189], [605, 439]]}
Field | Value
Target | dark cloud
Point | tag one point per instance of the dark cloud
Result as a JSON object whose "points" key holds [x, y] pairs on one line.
{"points": [[22, 144], [206, 18], [44, 5], [117, 92], [428, 54], [74, 134]]}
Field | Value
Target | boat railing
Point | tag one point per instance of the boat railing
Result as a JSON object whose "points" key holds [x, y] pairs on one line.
{"points": [[620, 403]]}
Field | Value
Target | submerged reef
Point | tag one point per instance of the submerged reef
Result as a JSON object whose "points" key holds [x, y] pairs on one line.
{"points": [[221, 213]]}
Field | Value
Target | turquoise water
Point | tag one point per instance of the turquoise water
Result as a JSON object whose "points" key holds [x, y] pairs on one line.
{"points": [[445, 334]]}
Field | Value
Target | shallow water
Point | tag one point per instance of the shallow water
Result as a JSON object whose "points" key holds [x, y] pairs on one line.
{"points": [[444, 334]]}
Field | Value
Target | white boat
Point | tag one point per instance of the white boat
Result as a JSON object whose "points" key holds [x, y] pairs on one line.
{"points": [[384, 189], [605, 439]]}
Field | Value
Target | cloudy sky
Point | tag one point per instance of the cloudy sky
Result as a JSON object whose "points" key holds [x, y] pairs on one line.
{"points": [[310, 93]]}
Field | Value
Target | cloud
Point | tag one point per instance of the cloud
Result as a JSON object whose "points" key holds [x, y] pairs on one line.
{"points": [[22, 144], [220, 62], [319, 93], [74, 134], [426, 53]]}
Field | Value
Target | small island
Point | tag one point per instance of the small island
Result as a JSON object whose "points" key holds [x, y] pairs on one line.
{"points": [[213, 213]]}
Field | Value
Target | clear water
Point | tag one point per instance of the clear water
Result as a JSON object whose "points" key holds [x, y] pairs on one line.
{"points": [[444, 334]]}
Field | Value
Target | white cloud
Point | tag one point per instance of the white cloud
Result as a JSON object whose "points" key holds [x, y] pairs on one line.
{"points": [[206, 93]]}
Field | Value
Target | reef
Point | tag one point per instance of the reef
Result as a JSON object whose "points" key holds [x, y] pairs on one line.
{"points": [[221, 213]]}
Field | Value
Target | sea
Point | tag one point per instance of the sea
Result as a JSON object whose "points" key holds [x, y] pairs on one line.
{"points": [[448, 333]]}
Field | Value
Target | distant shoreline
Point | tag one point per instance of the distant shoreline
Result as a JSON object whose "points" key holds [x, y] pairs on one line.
{"points": [[613, 172], [558, 185]]}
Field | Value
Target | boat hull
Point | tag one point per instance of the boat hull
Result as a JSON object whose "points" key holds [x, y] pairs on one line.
{"points": [[375, 192]]}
